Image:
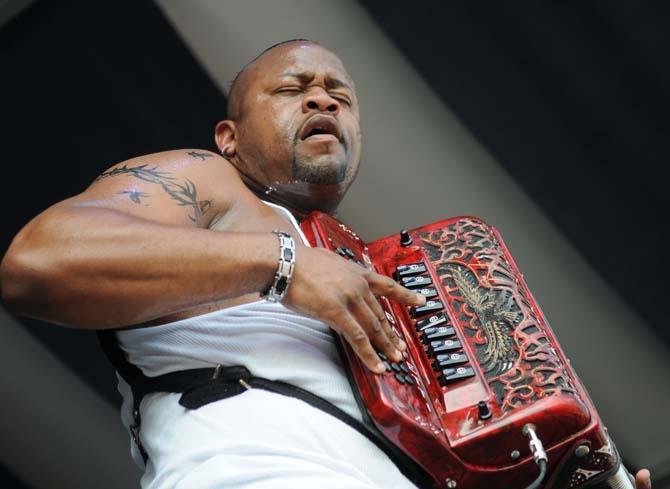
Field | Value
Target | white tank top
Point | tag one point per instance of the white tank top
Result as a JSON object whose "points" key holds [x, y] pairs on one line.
{"points": [[257, 439], [271, 340]]}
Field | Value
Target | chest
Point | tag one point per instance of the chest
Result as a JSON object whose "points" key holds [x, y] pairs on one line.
{"points": [[260, 218]]}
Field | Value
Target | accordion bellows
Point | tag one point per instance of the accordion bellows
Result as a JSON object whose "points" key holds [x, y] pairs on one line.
{"points": [[481, 363]]}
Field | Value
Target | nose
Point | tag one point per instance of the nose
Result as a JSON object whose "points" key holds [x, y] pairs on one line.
{"points": [[319, 99]]}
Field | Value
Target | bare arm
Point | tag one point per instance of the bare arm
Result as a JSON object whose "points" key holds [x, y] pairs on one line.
{"points": [[134, 246]]}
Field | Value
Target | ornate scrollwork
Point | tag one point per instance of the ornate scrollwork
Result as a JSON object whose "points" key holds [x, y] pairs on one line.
{"points": [[506, 333]]}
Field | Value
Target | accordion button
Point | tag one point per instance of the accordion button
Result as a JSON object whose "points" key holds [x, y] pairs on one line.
{"points": [[483, 410], [444, 346], [428, 307], [416, 282], [453, 374], [431, 321], [404, 367], [396, 367], [349, 252], [428, 293], [340, 251], [409, 379], [400, 378], [409, 270], [387, 366], [405, 238], [437, 333], [447, 359]]}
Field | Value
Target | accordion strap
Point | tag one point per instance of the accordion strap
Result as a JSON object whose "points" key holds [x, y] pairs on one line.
{"points": [[202, 386]]}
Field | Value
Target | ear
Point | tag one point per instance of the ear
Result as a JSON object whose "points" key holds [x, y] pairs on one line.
{"points": [[225, 136]]}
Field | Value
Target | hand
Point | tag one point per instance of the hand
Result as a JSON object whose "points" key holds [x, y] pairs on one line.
{"points": [[643, 479], [342, 294]]}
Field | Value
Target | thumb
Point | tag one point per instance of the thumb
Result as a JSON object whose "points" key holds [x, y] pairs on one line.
{"points": [[643, 479]]}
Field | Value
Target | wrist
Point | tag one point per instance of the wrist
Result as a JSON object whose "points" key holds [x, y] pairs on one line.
{"points": [[285, 266]]}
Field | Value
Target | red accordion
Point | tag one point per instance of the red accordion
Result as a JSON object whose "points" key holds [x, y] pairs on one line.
{"points": [[483, 376]]}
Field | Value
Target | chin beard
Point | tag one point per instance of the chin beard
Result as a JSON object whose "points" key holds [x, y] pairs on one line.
{"points": [[321, 174]]}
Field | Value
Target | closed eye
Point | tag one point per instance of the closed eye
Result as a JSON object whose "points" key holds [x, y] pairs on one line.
{"points": [[289, 90], [341, 98]]}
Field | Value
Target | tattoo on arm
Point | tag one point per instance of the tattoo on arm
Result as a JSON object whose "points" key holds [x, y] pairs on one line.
{"points": [[134, 195], [184, 195], [202, 156]]}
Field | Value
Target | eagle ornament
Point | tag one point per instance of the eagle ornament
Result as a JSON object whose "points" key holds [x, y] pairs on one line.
{"points": [[496, 316]]}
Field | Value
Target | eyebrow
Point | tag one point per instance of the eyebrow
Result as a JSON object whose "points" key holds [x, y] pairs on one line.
{"points": [[305, 78]]}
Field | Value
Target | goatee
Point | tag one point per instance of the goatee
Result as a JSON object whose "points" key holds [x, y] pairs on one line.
{"points": [[320, 174]]}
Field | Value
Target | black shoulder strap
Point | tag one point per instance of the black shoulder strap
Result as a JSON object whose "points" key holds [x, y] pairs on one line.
{"points": [[132, 375], [405, 464], [205, 385], [117, 357]]}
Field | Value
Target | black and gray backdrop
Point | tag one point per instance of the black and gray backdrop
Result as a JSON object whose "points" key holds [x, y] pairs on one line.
{"points": [[547, 119]]}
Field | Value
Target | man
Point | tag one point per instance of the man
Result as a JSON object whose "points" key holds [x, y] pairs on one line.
{"points": [[137, 248]]}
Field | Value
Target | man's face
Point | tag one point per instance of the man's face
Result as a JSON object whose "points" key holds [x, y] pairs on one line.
{"points": [[298, 118]]}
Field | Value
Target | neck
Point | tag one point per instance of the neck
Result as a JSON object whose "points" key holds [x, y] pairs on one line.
{"points": [[300, 198]]}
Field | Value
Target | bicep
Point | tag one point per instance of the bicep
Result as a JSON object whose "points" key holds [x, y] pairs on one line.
{"points": [[182, 187]]}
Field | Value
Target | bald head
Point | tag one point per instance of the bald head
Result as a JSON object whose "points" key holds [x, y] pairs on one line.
{"points": [[243, 78]]}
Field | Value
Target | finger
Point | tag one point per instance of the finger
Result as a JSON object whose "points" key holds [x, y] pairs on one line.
{"points": [[381, 334], [643, 479], [360, 343], [386, 286], [375, 329], [379, 313]]}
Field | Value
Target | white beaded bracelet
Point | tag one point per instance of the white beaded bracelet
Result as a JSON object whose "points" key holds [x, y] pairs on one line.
{"points": [[279, 286]]}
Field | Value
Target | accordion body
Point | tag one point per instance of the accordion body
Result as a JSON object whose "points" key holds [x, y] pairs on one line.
{"points": [[481, 364]]}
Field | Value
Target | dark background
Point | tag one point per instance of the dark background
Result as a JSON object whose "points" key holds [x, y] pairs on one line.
{"points": [[588, 80], [88, 84], [91, 84]]}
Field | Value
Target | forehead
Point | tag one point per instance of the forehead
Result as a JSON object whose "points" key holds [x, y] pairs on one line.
{"points": [[299, 58]]}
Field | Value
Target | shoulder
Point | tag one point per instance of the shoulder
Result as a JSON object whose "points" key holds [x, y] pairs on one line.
{"points": [[205, 168], [183, 185], [181, 160]]}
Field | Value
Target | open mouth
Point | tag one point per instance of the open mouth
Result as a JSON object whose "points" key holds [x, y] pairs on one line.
{"points": [[321, 127]]}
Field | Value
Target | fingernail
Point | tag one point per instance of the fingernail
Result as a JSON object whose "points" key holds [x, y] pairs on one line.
{"points": [[420, 299], [402, 345], [397, 356], [380, 369]]}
